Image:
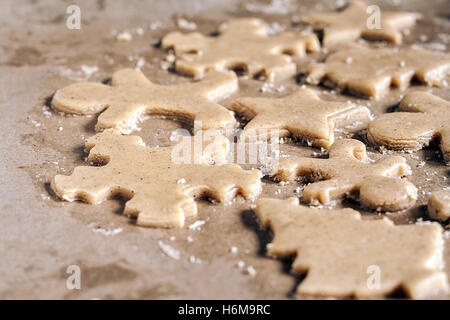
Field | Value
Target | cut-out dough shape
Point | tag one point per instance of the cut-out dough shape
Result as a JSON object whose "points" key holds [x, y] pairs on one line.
{"points": [[343, 255], [349, 172], [351, 23], [132, 95], [439, 205], [302, 115], [425, 118], [371, 72], [241, 43], [160, 190]]}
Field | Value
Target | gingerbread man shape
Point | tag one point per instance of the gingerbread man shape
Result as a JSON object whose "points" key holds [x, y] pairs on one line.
{"points": [[132, 96], [371, 72], [241, 43], [302, 115], [159, 187], [349, 172], [425, 118], [353, 22], [341, 254]]}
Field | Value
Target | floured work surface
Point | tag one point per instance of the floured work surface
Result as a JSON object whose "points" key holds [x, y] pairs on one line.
{"points": [[219, 254]]}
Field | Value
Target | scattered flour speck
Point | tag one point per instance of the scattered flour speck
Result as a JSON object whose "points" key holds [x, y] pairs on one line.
{"points": [[196, 225], [168, 250]]}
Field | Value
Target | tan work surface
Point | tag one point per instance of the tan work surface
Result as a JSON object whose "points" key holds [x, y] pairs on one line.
{"points": [[41, 236]]}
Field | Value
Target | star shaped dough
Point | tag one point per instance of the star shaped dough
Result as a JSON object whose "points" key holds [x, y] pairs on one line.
{"points": [[302, 115], [132, 96], [241, 43], [352, 23]]}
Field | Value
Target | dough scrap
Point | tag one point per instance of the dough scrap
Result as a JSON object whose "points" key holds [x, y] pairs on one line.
{"points": [[425, 117], [349, 172], [132, 96], [371, 72], [439, 205], [351, 24], [159, 191], [337, 250], [302, 114], [241, 43]]}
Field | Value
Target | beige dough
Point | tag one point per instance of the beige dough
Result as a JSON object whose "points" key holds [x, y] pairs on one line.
{"points": [[349, 172], [302, 115], [371, 72], [439, 205], [425, 118], [159, 190], [341, 254], [132, 95], [351, 24], [241, 43]]}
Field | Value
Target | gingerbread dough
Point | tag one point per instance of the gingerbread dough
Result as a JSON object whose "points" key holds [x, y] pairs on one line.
{"points": [[132, 95], [349, 172], [371, 72], [439, 205], [302, 114], [241, 43], [159, 191], [425, 118], [340, 252], [352, 23]]}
